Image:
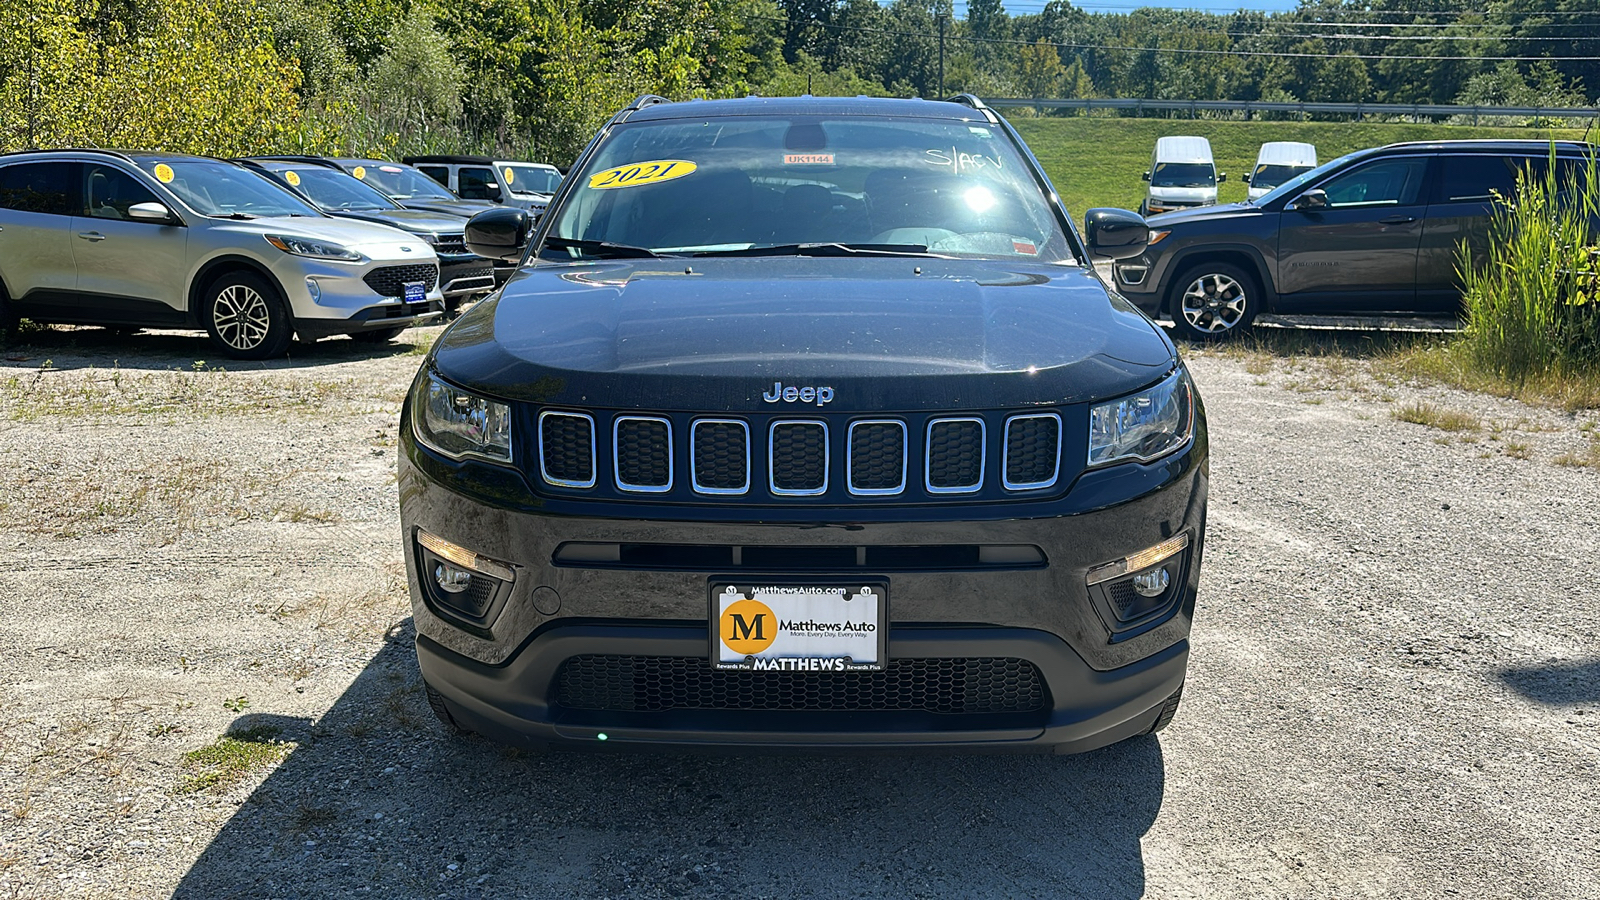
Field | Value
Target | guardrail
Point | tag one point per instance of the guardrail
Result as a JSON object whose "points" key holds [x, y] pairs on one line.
{"points": [[1251, 107]]}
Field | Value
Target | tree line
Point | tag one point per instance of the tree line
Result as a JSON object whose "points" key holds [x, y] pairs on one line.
{"points": [[536, 78]]}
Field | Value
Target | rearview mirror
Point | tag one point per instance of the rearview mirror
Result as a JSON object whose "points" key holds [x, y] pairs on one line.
{"points": [[1316, 198], [1115, 233], [150, 212], [500, 234], [1224, 177]]}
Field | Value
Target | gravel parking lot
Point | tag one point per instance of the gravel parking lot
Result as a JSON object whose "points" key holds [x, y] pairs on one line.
{"points": [[207, 688]]}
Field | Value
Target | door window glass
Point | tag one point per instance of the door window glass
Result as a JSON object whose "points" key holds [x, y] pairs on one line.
{"points": [[478, 184], [109, 191], [440, 174], [38, 187], [1389, 182], [1476, 179]]}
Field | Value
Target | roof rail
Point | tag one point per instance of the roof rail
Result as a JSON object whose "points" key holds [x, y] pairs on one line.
{"points": [[118, 154], [967, 100], [295, 158], [639, 102]]}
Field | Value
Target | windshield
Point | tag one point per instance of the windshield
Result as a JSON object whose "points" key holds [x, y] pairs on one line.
{"points": [[531, 179], [332, 189], [222, 189], [1170, 174], [856, 184], [1266, 177], [1294, 184], [403, 182]]}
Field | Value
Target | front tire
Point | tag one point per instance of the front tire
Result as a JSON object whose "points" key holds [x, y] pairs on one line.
{"points": [[9, 321], [1214, 301], [246, 318], [1168, 710], [441, 711]]}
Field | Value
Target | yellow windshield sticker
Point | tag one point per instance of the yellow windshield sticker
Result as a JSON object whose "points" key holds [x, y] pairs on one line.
{"points": [[636, 174], [359, 171], [164, 173], [1260, 169], [510, 177], [293, 178]]}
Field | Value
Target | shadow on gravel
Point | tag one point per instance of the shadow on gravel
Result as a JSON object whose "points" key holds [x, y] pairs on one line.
{"points": [[103, 348], [378, 801], [1557, 684]]}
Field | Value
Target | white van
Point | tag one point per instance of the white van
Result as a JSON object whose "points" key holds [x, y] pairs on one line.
{"points": [[1278, 162], [1181, 175]]}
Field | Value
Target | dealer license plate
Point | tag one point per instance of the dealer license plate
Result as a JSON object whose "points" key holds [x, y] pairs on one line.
{"points": [[416, 292], [788, 627]]}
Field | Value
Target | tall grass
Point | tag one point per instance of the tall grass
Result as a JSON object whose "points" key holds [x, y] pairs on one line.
{"points": [[1533, 299]]}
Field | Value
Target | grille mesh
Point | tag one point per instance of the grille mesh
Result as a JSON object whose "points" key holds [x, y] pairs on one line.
{"points": [[451, 243], [390, 281], [657, 683], [877, 456], [799, 456], [1031, 456], [955, 455], [643, 453], [566, 443], [721, 456]]}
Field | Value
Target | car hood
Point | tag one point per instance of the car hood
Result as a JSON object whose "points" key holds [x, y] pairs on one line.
{"points": [[1224, 211], [1183, 194], [379, 242], [417, 221], [885, 333]]}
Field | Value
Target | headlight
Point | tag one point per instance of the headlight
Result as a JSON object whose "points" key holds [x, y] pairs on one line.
{"points": [[1145, 426], [315, 249], [459, 424]]}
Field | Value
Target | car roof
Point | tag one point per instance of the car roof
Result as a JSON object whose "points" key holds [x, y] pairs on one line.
{"points": [[296, 160], [878, 107], [448, 158], [1291, 153], [519, 162], [1492, 145], [133, 156], [1183, 148]]}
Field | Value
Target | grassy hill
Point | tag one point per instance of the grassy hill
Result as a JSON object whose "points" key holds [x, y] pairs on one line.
{"points": [[1097, 162]]}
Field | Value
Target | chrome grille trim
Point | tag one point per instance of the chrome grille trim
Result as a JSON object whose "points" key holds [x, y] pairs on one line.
{"points": [[694, 465], [849, 459], [594, 456], [827, 462], [1005, 459], [983, 457], [616, 455]]}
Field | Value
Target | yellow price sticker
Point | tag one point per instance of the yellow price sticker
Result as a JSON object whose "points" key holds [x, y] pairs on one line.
{"points": [[636, 174], [359, 171], [293, 178], [164, 173], [510, 176]]}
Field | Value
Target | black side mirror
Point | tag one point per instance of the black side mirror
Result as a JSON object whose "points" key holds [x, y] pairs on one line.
{"points": [[1316, 198], [1245, 178], [1145, 176], [1115, 233], [500, 233], [1224, 177]]}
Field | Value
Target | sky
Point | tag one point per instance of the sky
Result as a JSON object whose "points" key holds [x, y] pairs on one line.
{"points": [[1028, 7]]}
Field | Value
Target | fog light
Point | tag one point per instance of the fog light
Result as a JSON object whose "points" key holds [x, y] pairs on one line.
{"points": [[315, 289], [451, 579], [1149, 584]]}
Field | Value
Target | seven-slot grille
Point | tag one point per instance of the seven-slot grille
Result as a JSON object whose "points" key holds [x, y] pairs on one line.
{"points": [[877, 454], [390, 281]]}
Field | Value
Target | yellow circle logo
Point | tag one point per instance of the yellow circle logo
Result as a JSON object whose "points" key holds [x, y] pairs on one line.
{"points": [[359, 171], [636, 174], [510, 176], [748, 626], [293, 178], [164, 173]]}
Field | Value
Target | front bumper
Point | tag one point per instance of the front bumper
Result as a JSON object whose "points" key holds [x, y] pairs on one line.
{"points": [[330, 297]]}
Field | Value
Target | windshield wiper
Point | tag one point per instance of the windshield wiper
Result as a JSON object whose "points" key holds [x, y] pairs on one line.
{"points": [[243, 217], [605, 248], [827, 249]]}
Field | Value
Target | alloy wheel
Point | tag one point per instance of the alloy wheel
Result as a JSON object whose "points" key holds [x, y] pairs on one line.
{"points": [[241, 317], [1213, 304]]}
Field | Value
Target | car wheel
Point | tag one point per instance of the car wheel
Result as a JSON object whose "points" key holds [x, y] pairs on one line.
{"points": [[1168, 710], [8, 319], [442, 711], [245, 317], [381, 336], [1213, 302]]}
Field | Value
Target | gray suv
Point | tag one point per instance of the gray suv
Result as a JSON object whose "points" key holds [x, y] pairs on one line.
{"points": [[159, 240]]}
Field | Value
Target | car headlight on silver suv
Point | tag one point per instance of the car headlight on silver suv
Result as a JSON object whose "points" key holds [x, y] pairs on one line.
{"points": [[458, 423], [1144, 426], [299, 246]]}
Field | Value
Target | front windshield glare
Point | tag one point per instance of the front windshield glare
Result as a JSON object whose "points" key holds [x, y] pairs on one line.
{"points": [[404, 183], [221, 189], [1184, 175], [1294, 184], [739, 184], [336, 190], [1266, 177], [532, 180]]}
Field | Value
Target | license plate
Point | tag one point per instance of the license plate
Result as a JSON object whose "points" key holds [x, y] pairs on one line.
{"points": [[416, 292], [790, 627]]}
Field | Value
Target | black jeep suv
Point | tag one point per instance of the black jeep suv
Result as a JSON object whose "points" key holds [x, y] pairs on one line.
{"points": [[1373, 232], [806, 423]]}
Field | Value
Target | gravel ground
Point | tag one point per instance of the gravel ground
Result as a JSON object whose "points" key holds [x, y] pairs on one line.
{"points": [[1395, 684]]}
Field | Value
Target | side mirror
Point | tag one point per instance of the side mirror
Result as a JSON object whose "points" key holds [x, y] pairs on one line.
{"points": [[1145, 177], [151, 212], [1316, 198], [501, 233], [1224, 177], [1115, 233]]}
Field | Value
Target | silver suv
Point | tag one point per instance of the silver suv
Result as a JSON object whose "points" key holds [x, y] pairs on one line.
{"points": [[158, 240]]}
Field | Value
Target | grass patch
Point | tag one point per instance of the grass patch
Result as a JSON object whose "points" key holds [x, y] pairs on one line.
{"points": [[1434, 416], [232, 758], [1588, 458], [199, 393]]}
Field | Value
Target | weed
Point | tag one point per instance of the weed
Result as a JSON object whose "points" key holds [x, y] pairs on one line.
{"points": [[236, 704], [231, 758], [1517, 451], [1437, 417]]}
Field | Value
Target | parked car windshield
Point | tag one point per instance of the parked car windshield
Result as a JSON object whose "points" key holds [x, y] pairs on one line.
{"points": [[335, 190], [213, 188], [1266, 177], [1294, 184], [744, 184], [1170, 174], [532, 180], [404, 183]]}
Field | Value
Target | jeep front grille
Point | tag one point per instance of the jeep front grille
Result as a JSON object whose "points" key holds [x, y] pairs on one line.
{"points": [[721, 456], [566, 449], [1033, 451], [797, 454]]}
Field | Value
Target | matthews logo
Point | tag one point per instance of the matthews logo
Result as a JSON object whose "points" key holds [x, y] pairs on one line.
{"points": [[748, 626], [791, 394]]}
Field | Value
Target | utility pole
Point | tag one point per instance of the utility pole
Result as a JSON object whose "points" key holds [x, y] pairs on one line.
{"points": [[942, 17]]}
